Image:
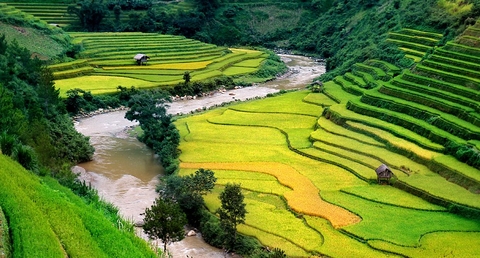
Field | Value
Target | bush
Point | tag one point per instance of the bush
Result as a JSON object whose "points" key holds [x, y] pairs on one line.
{"points": [[26, 156], [211, 229], [7, 143]]}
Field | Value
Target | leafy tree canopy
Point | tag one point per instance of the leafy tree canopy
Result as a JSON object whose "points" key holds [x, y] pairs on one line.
{"points": [[232, 212], [165, 220]]}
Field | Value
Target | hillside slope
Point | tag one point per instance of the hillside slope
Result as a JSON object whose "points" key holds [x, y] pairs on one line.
{"points": [[307, 161], [49, 220], [42, 40]]}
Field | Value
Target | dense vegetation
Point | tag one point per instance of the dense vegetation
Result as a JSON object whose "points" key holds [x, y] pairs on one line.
{"points": [[421, 122], [342, 32], [34, 116]]}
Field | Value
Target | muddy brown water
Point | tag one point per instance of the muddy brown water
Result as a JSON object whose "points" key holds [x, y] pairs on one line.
{"points": [[125, 172]]}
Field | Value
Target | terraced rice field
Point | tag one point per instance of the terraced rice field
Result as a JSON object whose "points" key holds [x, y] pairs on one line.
{"points": [[107, 61], [57, 15], [11, 10], [293, 154], [309, 183], [52, 13], [49, 220], [414, 43]]}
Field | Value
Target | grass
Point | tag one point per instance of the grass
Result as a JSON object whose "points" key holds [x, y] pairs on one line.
{"points": [[31, 233], [437, 244], [392, 196], [336, 244], [436, 93], [411, 123], [276, 120], [335, 129], [273, 240], [34, 40], [304, 195], [170, 56], [246, 143], [319, 99], [393, 140], [346, 114], [238, 70], [283, 104], [173, 66], [335, 91], [424, 110], [394, 230], [281, 146], [48, 220], [436, 185], [99, 84], [280, 222]]}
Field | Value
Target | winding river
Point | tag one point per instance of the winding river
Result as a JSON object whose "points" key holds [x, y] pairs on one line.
{"points": [[125, 172]]}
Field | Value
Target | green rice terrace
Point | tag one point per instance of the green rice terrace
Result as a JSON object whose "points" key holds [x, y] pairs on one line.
{"points": [[108, 61], [307, 161], [49, 220], [56, 13]]}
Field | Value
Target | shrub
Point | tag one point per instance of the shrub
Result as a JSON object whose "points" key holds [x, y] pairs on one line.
{"points": [[211, 229], [7, 143], [26, 156]]}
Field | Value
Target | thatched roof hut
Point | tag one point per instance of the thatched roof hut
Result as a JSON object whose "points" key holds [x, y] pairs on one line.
{"points": [[383, 173], [141, 58]]}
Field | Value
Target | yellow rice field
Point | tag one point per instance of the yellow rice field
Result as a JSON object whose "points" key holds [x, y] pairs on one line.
{"points": [[281, 147]]}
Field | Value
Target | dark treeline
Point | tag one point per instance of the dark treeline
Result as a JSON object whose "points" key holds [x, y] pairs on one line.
{"points": [[339, 31], [35, 127]]}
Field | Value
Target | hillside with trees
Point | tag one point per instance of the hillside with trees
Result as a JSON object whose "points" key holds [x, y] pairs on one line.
{"points": [[401, 89]]}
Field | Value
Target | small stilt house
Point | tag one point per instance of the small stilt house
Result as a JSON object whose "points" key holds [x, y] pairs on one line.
{"points": [[383, 174], [141, 59]]}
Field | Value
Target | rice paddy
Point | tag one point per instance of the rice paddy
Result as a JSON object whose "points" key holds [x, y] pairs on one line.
{"points": [[322, 167], [107, 61]]}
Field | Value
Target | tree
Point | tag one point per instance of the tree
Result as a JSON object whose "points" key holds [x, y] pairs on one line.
{"points": [[164, 220], [159, 133], [186, 77], [149, 108], [187, 191], [232, 212], [202, 182], [90, 13]]}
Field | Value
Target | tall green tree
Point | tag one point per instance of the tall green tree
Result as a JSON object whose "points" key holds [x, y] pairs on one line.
{"points": [[149, 108], [187, 191], [165, 220], [232, 212], [90, 13]]}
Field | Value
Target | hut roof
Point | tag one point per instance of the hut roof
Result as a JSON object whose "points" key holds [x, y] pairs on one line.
{"points": [[381, 169], [140, 56]]}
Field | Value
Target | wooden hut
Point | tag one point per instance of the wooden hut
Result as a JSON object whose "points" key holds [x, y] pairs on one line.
{"points": [[383, 174], [141, 59]]}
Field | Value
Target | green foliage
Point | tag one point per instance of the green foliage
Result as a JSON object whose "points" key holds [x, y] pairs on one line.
{"points": [[8, 143], [130, 5], [33, 113], [231, 213], [26, 156], [188, 192], [90, 13], [164, 220], [212, 232], [159, 133]]}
